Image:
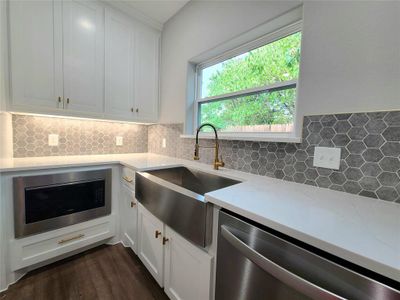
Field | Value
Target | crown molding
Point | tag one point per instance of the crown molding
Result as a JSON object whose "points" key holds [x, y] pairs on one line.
{"points": [[138, 15]]}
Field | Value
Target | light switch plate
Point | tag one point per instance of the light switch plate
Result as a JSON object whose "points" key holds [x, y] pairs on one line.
{"points": [[53, 140], [164, 143], [326, 157], [119, 140]]}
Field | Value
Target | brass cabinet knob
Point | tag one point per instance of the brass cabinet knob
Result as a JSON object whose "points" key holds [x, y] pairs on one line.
{"points": [[132, 109], [67, 100], [133, 204], [164, 240], [59, 99], [157, 233], [137, 110]]}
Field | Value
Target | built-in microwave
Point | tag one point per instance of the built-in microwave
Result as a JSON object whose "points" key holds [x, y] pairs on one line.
{"points": [[48, 202]]}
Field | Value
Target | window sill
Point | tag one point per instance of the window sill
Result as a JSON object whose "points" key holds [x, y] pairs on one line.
{"points": [[253, 137]]}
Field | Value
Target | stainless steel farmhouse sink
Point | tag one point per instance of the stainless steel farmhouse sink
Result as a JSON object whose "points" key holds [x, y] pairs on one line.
{"points": [[176, 196]]}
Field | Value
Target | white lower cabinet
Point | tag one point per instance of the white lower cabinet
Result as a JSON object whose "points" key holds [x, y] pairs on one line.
{"points": [[151, 250], [187, 272], [38, 248], [183, 269], [129, 213]]}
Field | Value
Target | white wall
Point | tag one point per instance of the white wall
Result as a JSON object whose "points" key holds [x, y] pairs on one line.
{"points": [[198, 27], [3, 55], [6, 144], [350, 58], [4, 131], [5, 118], [351, 51]]}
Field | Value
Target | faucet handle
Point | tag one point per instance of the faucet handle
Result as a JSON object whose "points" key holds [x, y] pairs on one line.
{"points": [[218, 163], [196, 152], [221, 162]]}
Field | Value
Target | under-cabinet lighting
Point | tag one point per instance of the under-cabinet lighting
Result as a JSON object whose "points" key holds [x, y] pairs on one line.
{"points": [[78, 118], [86, 24]]}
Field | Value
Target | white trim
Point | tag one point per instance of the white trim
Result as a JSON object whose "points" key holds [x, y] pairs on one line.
{"points": [[264, 136], [136, 14], [271, 87], [279, 27], [262, 41], [251, 136], [272, 25]]}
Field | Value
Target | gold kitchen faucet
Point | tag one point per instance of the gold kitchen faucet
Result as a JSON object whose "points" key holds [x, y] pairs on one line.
{"points": [[217, 162]]}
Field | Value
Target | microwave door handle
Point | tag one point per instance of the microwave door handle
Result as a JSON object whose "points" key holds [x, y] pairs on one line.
{"points": [[290, 279]]}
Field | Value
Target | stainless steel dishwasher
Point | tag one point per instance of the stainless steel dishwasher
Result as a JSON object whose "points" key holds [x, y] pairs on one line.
{"points": [[254, 262]]}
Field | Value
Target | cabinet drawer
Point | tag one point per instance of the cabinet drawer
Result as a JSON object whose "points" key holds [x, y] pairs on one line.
{"points": [[38, 248], [128, 177]]}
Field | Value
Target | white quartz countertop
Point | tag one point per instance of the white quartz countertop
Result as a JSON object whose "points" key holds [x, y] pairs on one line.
{"points": [[135, 160], [362, 230]]}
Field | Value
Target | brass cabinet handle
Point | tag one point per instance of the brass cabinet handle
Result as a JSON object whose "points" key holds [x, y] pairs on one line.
{"points": [[127, 179], [133, 204], [164, 240], [63, 241], [59, 102], [157, 233]]}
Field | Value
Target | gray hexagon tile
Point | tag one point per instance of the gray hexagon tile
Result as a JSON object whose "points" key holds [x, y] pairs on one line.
{"points": [[392, 133], [357, 133], [369, 142], [374, 140], [370, 153], [76, 137]]}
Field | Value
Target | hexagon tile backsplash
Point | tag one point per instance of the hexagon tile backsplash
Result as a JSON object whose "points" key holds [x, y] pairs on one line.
{"points": [[370, 143], [76, 137], [370, 156]]}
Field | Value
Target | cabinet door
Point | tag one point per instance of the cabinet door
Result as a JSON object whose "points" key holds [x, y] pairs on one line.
{"points": [[146, 74], [83, 37], [187, 269], [129, 213], [150, 247], [36, 54], [119, 66]]}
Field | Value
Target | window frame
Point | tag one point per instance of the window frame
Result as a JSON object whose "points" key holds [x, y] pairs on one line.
{"points": [[259, 42]]}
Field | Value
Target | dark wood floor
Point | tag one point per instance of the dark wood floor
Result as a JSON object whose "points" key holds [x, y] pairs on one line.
{"points": [[106, 272]]}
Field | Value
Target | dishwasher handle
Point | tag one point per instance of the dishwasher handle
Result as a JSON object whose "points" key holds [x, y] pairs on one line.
{"points": [[290, 279]]}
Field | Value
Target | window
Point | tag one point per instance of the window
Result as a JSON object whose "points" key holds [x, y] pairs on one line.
{"points": [[252, 89]]}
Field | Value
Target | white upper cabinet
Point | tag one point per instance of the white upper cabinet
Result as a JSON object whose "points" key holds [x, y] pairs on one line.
{"points": [[119, 88], [146, 74], [36, 54], [132, 68], [83, 36], [84, 59]]}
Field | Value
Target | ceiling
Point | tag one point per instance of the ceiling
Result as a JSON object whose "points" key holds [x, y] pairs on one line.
{"points": [[154, 11]]}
